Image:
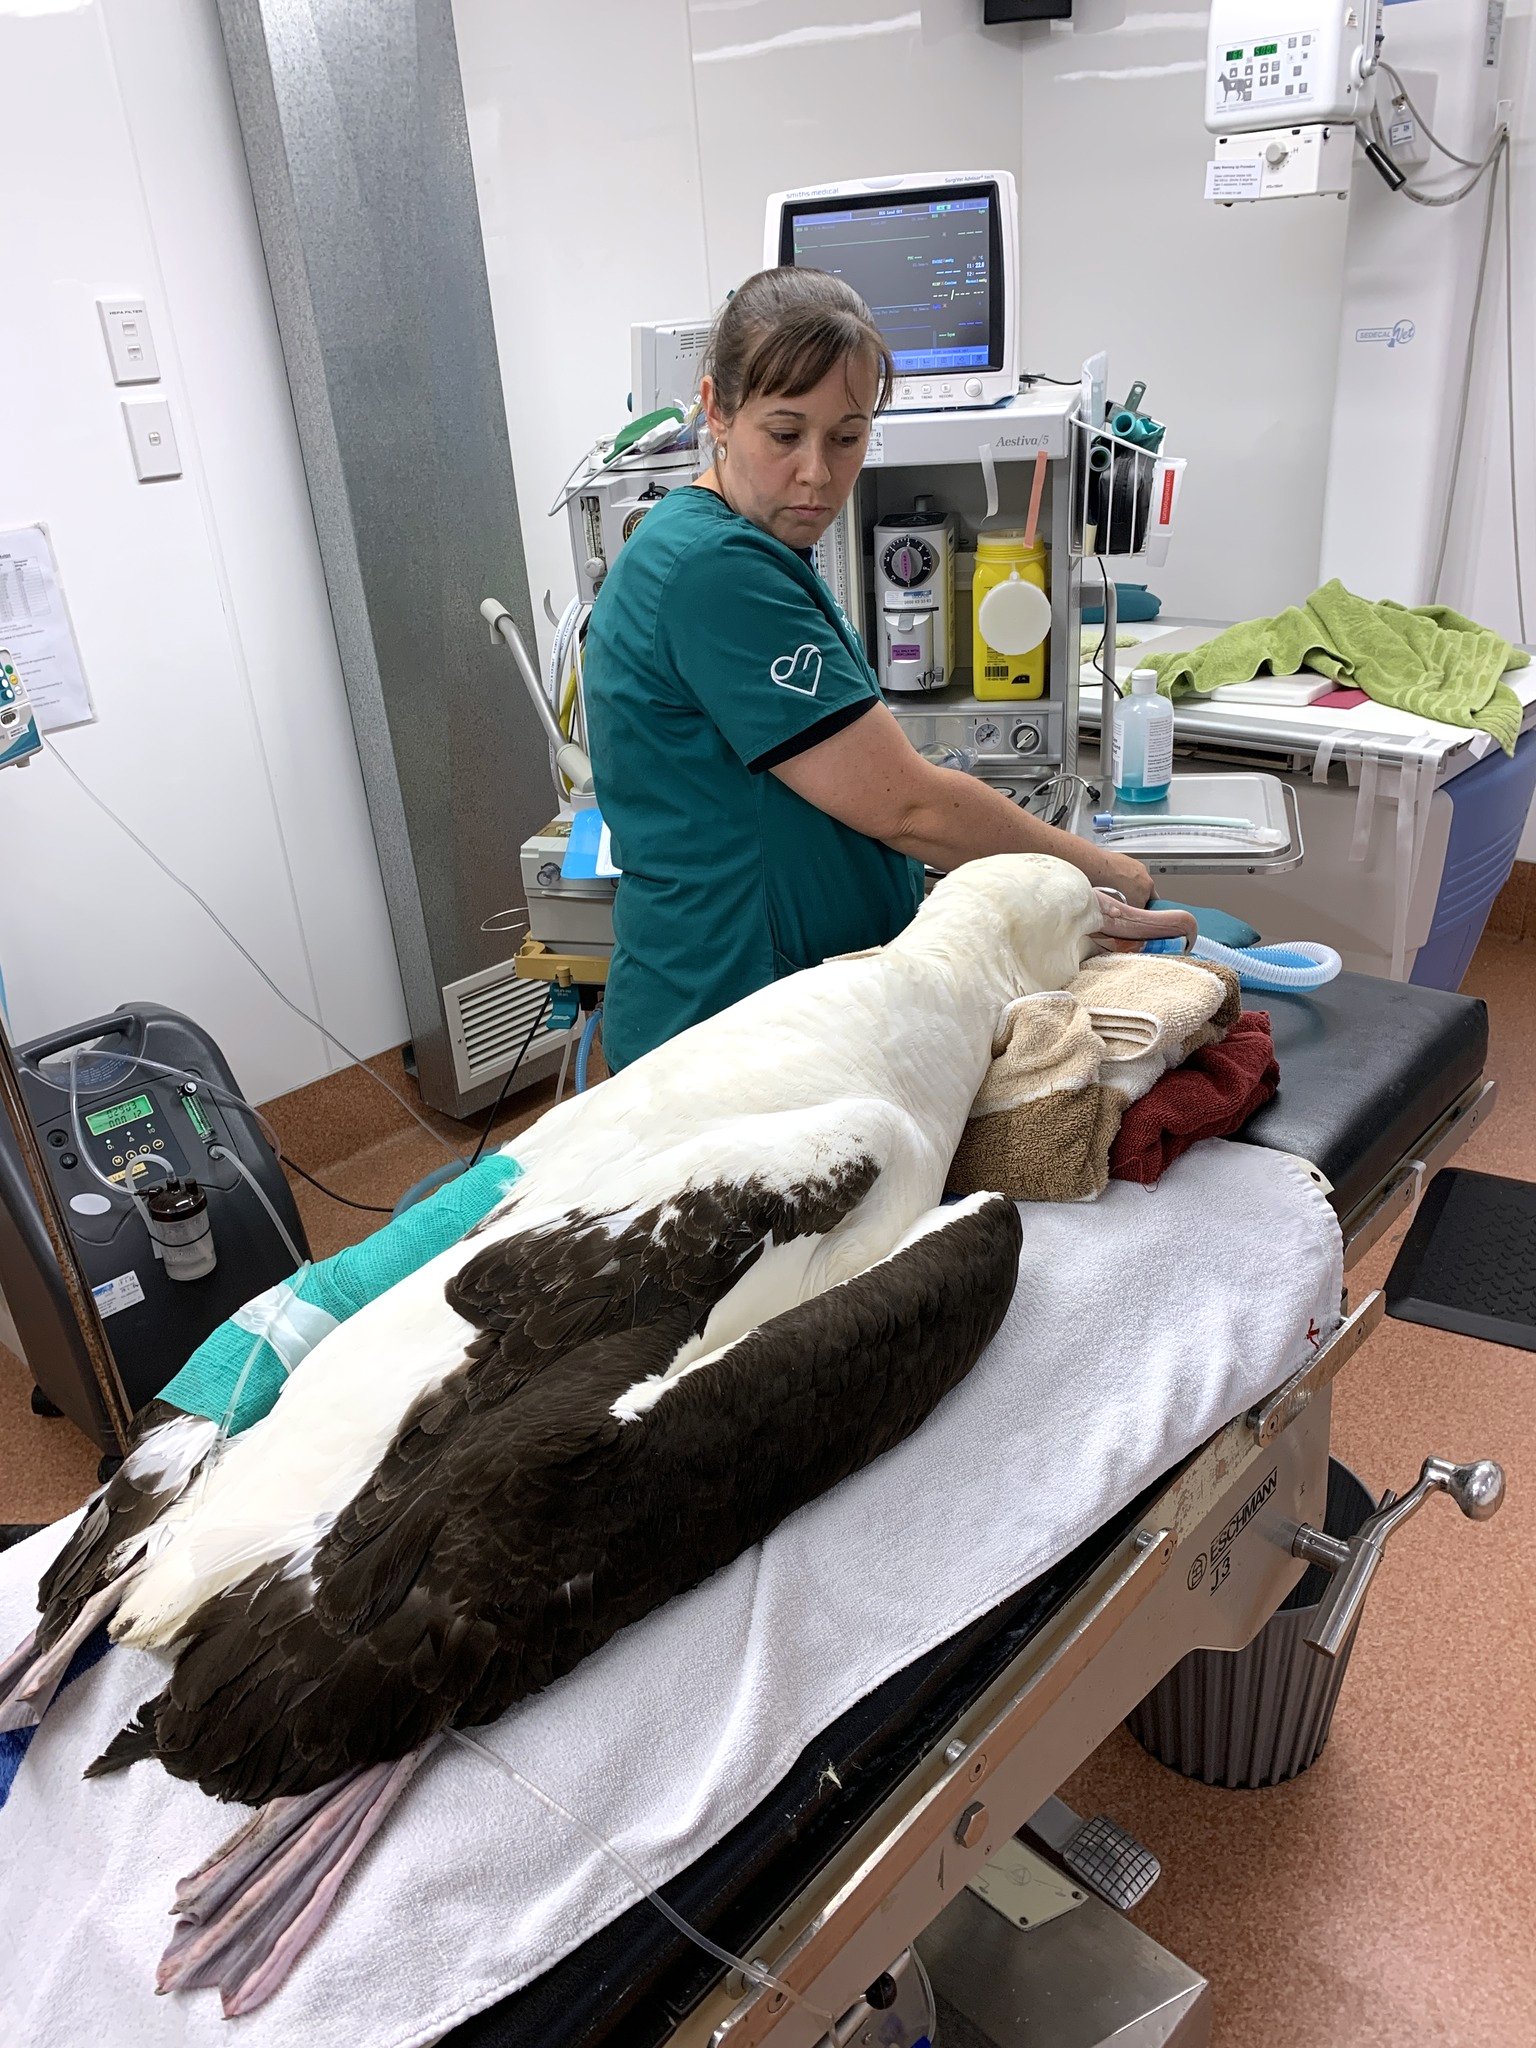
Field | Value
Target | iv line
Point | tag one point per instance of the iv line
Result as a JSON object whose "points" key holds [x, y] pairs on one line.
{"points": [[755, 1973]]}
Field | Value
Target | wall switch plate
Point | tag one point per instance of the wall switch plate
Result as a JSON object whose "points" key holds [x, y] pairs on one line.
{"points": [[130, 345], [152, 438]]}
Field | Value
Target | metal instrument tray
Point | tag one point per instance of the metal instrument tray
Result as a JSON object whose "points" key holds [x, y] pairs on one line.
{"points": [[1263, 800]]}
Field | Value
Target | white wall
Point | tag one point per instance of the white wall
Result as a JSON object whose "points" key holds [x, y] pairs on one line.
{"points": [[697, 109], [223, 735], [1411, 269], [586, 165], [1229, 313], [1395, 410], [1481, 567]]}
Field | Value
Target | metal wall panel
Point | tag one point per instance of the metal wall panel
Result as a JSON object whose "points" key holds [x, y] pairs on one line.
{"points": [[352, 117]]}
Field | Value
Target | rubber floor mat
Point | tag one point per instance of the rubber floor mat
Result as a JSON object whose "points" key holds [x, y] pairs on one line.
{"points": [[1469, 1262]]}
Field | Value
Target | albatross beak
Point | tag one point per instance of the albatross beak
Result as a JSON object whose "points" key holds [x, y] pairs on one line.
{"points": [[1124, 929]]}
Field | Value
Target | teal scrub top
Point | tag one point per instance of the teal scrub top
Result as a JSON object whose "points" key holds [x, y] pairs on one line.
{"points": [[714, 653]]}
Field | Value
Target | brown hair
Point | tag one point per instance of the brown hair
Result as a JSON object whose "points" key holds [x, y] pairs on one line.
{"points": [[783, 330]]}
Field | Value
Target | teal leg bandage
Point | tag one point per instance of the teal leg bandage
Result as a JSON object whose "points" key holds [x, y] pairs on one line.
{"points": [[266, 1339]]}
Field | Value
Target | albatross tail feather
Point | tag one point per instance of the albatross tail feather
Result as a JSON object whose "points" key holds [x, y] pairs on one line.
{"points": [[245, 1918]]}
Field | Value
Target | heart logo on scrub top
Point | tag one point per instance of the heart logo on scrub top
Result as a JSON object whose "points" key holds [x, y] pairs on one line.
{"points": [[800, 671]]}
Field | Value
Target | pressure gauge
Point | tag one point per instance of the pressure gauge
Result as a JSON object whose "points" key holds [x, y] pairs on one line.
{"points": [[986, 733], [908, 562]]}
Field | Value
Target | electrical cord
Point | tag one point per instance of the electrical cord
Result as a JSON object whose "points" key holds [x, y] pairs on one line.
{"points": [[506, 1082], [221, 1094], [249, 957], [224, 1094], [256, 1188], [1107, 674], [1509, 374], [1479, 168], [1464, 399], [368, 1208], [1402, 93]]}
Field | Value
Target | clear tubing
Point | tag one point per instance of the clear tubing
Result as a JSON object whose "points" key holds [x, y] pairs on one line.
{"points": [[139, 1059], [232, 1405], [584, 1049], [755, 1973], [1256, 967], [84, 1150], [245, 952], [256, 1188]]}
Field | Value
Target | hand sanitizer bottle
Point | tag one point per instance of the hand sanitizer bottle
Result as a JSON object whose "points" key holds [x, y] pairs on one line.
{"points": [[1143, 742]]}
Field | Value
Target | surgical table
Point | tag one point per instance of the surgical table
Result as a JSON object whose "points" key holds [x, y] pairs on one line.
{"points": [[896, 1806]]}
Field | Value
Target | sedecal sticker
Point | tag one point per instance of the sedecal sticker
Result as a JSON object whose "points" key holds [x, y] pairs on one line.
{"points": [[1397, 336]]}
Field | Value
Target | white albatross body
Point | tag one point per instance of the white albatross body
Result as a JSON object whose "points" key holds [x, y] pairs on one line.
{"points": [[875, 1056]]}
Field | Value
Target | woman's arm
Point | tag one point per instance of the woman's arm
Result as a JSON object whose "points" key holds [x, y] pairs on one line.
{"points": [[870, 777]]}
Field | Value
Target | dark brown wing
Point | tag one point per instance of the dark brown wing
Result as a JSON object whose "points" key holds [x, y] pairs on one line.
{"points": [[522, 1537], [561, 1284]]}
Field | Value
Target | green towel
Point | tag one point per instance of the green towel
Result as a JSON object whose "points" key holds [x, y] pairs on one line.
{"points": [[265, 1340], [1427, 660]]}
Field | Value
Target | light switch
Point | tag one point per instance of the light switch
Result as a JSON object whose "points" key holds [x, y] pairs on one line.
{"points": [[130, 345], [152, 438]]}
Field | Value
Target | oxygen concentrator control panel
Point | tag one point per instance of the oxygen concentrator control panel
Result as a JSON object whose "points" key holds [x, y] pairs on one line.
{"points": [[156, 1121], [121, 1133]]}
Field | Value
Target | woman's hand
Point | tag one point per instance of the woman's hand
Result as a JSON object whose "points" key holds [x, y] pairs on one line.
{"points": [[1127, 875]]}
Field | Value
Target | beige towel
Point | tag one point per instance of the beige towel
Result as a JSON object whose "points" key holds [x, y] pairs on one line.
{"points": [[1067, 1063], [1121, 988]]}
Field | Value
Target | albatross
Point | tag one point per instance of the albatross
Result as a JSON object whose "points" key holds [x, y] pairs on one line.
{"points": [[724, 1282]]}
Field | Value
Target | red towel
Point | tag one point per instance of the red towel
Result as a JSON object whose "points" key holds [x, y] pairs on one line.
{"points": [[1212, 1095], [1340, 700]]}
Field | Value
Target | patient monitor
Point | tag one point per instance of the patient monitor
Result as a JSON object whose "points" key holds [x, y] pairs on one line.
{"points": [[934, 255]]}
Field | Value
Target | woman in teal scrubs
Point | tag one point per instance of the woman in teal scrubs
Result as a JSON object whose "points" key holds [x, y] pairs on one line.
{"points": [[766, 808]]}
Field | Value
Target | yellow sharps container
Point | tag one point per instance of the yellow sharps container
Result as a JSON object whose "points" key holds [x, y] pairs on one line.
{"points": [[1000, 676]]}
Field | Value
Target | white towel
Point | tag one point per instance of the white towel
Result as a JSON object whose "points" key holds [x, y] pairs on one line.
{"points": [[1139, 1327]]}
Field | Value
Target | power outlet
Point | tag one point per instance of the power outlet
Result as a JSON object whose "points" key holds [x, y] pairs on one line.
{"points": [[1408, 144]]}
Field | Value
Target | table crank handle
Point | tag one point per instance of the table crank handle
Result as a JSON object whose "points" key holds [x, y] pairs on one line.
{"points": [[1477, 1489]]}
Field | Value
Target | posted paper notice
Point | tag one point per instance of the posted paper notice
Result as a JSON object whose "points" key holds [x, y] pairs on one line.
{"points": [[1239, 177], [35, 629]]}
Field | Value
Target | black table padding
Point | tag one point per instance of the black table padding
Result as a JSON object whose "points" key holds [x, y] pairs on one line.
{"points": [[1367, 1067], [1469, 1262]]}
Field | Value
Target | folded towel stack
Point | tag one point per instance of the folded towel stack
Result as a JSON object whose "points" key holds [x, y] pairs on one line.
{"points": [[1213, 1095], [1068, 1063]]}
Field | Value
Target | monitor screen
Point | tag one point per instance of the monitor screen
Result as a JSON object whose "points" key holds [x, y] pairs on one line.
{"points": [[927, 264]]}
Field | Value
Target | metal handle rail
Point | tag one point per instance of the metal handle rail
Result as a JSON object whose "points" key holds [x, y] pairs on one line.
{"points": [[569, 758], [1477, 1489]]}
